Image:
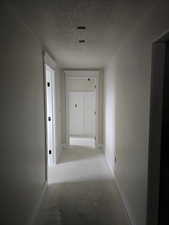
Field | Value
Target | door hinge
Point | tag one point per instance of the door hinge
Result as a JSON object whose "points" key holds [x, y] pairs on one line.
{"points": [[95, 138], [48, 84], [49, 118], [94, 86], [115, 159]]}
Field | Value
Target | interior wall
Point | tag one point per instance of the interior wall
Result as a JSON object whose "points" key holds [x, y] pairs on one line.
{"points": [[58, 112], [63, 108], [22, 167], [109, 116], [127, 94]]}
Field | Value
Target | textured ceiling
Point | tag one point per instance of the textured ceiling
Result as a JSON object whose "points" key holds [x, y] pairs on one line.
{"points": [[108, 22]]}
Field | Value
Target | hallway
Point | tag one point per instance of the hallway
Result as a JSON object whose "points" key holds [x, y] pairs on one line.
{"points": [[91, 73], [82, 192]]}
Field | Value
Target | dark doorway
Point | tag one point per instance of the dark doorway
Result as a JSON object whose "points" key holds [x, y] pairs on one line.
{"points": [[164, 156], [158, 182]]}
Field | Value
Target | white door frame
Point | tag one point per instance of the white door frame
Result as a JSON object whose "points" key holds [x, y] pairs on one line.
{"points": [[52, 86], [82, 74]]}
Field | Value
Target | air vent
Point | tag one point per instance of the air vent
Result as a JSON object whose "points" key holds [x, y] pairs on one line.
{"points": [[81, 28], [82, 41]]}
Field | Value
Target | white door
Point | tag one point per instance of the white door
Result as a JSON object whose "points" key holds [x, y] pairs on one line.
{"points": [[82, 114], [76, 114], [50, 114], [89, 114]]}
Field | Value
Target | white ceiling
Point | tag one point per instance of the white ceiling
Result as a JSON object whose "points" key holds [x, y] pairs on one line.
{"points": [[108, 22]]}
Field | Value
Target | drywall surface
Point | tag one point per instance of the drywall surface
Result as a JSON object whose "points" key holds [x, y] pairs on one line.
{"points": [[58, 112], [63, 107], [127, 94], [109, 119], [22, 167]]}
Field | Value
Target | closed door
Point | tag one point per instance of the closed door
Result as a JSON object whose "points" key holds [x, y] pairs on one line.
{"points": [[89, 114], [82, 113]]}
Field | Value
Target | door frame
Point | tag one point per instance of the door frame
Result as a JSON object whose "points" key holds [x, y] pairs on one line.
{"points": [[48, 67], [156, 127], [82, 74]]}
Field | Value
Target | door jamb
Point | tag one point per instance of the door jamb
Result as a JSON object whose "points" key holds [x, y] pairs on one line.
{"points": [[152, 166], [46, 66]]}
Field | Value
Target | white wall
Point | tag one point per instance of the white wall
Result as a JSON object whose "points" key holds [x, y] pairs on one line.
{"points": [[109, 119], [127, 94], [58, 112], [63, 108], [22, 154]]}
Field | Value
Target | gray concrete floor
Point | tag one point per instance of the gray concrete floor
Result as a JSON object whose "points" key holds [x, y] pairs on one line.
{"points": [[82, 191]]}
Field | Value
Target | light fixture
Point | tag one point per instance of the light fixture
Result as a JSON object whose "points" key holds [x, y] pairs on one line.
{"points": [[82, 41], [81, 28]]}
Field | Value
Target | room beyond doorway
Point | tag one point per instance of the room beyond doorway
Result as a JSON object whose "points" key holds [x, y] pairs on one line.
{"points": [[81, 89]]}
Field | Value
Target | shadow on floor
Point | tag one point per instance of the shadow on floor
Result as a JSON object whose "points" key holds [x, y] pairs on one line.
{"points": [[70, 155], [83, 203]]}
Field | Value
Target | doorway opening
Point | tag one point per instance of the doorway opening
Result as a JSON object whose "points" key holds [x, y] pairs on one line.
{"points": [[158, 195], [81, 109]]}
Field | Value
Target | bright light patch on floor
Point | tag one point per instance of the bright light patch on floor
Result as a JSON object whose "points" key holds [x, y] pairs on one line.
{"points": [[79, 164], [82, 191], [82, 141]]}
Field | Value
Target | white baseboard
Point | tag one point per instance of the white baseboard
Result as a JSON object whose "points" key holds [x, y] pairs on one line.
{"points": [[110, 166], [114, 177], [123, 199], [37, 206], [66, 146]]}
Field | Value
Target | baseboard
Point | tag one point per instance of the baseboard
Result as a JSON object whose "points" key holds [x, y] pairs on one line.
{"points": [[114, 177], [67, 147], [110, 166], [122, 199], [37, 206]]}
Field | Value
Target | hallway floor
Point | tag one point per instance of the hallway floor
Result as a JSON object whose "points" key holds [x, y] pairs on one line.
{"points": [[82, 192]]}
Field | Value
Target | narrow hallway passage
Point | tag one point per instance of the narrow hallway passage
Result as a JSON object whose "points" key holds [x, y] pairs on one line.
{"points": [[82, 192], [91, 73]]}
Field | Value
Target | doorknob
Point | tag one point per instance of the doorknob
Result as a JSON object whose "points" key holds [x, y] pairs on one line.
{"points": [[75, 105]]}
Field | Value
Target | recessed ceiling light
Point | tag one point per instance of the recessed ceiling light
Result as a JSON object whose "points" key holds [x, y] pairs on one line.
{"points": [[82, 41], [81, 28]]}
